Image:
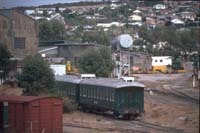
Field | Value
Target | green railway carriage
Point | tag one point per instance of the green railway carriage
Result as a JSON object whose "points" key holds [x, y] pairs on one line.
{"points": [[68, 86], [104, 94]]}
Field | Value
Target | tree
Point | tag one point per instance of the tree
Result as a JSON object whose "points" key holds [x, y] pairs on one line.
{"points": [[36, 76], [146, 34], [51, 30], [97, 61], [5, 62], [99, 37]]}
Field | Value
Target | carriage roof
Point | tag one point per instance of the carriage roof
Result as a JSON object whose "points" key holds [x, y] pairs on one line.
{"points": [[108, 82]]}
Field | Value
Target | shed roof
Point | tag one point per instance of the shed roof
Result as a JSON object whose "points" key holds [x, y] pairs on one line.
{"points": [[19, 99], [108, 82]]}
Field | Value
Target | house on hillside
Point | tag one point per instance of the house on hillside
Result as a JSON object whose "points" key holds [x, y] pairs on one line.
{"points": [[177, 22], [188, 15], [137, 12], [19, 33], [58, 17], [159, 7], [135, 17]]}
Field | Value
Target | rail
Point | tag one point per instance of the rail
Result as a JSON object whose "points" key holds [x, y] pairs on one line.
{"points": [[177, 94]]}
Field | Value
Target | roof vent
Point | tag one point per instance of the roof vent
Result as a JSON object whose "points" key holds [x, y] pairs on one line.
{"points": [[128, 79], [88, 76]]}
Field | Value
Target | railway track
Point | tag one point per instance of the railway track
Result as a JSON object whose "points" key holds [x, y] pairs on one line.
{"points": [[103, 129], [157, 127], [177, 94], [145, 127]]}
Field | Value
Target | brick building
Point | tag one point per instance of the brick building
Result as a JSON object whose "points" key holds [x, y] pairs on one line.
{"points": [[19, 33]]}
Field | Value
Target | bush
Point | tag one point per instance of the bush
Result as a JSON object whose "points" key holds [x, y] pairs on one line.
{"points": [[36, 76], [97, 61], [69, 105]]}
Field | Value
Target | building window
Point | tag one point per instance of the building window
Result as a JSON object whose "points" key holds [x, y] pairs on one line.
{"points": [[19, 42]]}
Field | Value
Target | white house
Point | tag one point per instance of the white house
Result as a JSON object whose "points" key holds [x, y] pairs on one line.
{"points": [[135, 17], [159, 7], [177, 22], [107, 25], [61, 9], [29, 12], [136, 24], [137, 11], [188, 15], [58, 17], [161, 63]]}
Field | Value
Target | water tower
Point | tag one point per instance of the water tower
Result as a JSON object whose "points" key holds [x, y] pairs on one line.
{"points": [[122, 45]]}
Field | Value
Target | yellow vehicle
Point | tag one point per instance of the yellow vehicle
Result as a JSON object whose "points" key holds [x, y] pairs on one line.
{"points": [[70, 69]]}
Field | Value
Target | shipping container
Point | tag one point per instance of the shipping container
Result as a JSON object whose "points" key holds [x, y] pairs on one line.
{"points": [[30, 114]]}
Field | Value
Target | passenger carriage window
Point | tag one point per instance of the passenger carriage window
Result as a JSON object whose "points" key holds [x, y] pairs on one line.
{"points": [[100, 93], [84, 92], [64, 91], [97, 93], [94, 92], [107, 96], [73, 91], [112, 96], [60, 90], [89, 93], [103, 96], [80, 91], [69, 91]]}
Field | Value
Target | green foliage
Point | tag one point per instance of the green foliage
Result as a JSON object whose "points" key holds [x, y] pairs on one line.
{"points": [[69, 105], [121, 13], [51, 30], [146, 34], [99, 37], [177, 40], [36, 76], [75, 19], [97, 61], [5, 62]]}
